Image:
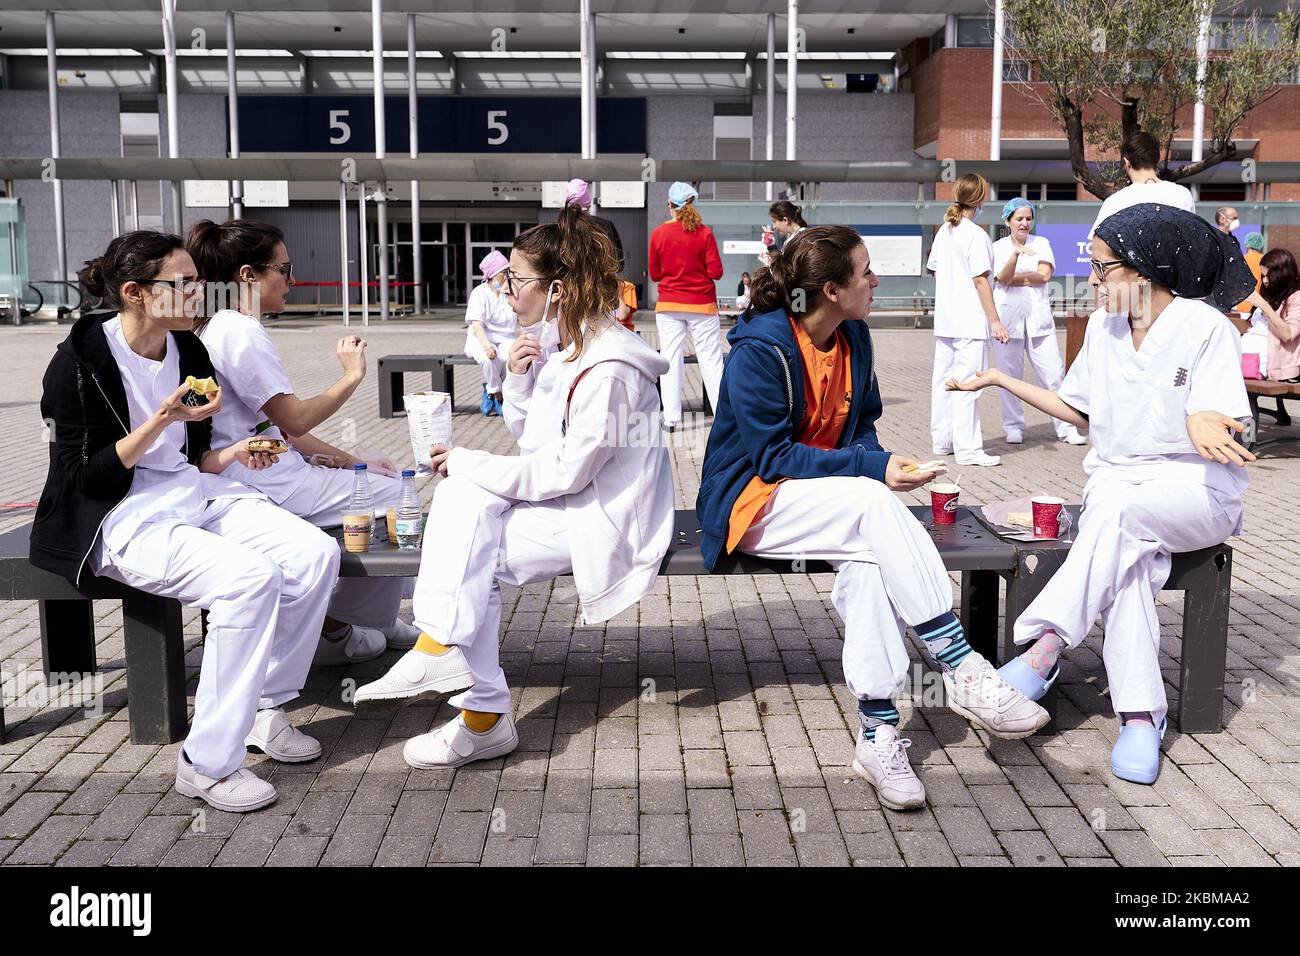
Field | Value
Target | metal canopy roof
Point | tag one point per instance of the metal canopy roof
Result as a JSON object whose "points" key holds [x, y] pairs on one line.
{"points": [[538, 168]]}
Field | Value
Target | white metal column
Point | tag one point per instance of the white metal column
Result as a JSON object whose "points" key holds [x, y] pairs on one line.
{"points": [[791, 76], [995, 117], [114, 210], [232, 96], [584, 68], [592, 60], [771, 93], [381, 194], [343, 252], [51, 65], [413, 108], [173, 109], [1198, 111], [363, 255]]}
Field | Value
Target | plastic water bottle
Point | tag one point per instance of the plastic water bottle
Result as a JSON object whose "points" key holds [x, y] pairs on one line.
{"points": [[410, 514], [359, 516]]}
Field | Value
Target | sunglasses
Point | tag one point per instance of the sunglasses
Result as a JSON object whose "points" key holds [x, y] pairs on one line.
{"points": [[284, 268]]}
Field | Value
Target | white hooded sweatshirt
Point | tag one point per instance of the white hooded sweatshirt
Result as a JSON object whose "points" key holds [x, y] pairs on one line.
{"points": [[608, 462]]}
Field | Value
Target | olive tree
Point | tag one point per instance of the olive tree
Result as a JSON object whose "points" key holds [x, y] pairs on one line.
{"points": [[1106, 68]]}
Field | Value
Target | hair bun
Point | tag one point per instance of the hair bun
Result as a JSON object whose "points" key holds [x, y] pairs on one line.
{"points": [[92, 277]]}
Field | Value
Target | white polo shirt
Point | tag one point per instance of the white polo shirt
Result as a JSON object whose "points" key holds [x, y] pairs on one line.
{"points": [[1025, 310], [251, 374], [1137, 400], [959, 254]]}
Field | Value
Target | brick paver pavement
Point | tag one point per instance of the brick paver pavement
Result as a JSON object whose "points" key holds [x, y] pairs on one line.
{"points": [[709, 725]]}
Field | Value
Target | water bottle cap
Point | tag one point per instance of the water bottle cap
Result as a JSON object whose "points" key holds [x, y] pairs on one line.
{"points": [[408, 473], [359, 466]]}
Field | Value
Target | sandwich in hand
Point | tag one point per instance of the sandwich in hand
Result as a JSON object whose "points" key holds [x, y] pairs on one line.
{"points": [[269, 446]]}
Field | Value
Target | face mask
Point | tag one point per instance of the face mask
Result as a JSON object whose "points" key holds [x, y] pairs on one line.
{"points": [[548, 333], [1234, 225], [979, 210]]}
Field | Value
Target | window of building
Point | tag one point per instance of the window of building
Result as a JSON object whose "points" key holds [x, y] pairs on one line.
{"points": [[975, 31], [1223, 193]]}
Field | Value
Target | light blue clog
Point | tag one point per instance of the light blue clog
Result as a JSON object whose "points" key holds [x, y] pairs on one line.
{"points": [[1136, 754]]}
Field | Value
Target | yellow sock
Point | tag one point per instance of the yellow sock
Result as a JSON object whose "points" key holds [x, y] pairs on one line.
{"points": [[478, 721], [428, 645]]}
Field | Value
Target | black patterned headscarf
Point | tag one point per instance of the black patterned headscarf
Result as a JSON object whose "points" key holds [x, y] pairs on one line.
{"points": [[1179, 251]]}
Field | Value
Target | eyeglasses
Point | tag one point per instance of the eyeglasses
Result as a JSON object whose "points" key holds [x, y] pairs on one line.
{"points": [[284, 268], [512, 277], [1100, 266], [185, 287]]}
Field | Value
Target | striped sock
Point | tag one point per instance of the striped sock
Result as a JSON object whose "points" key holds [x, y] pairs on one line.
{"points": [[873, 713], [944, 640]]}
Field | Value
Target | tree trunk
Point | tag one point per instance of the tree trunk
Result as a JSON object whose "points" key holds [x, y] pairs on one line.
{"points": [[1090, 181]]}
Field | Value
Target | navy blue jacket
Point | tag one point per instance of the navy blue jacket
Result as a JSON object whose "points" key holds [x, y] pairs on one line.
{"points": [[760, 412]]}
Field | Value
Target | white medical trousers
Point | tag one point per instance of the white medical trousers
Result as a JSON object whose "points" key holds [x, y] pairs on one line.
{"points": [[476, 541], [321, 499], [706, 336], [888, 572], [1117, 565], [1045, 357], [265, 578], [955, 416]]}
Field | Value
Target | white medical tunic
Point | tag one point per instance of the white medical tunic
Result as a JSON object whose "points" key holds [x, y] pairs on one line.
{"points": [[251, 374], [164, 485], [493, 310], [1025, 310], [1138, 400], [959, 254]]}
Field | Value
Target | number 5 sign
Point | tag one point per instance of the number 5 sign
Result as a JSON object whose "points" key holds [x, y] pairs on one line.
{"points": [[497, 129]]}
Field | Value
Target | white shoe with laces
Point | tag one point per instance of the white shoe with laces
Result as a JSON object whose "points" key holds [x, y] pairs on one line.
{"points": [[883, 762], [237, 792], [276, 736], [978, 693], [980, 460], [1072, 437], [454, 745], [400, 636], [353, 646]]}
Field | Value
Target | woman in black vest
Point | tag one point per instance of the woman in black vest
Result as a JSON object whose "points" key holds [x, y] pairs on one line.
{"points": [[134, 493]]}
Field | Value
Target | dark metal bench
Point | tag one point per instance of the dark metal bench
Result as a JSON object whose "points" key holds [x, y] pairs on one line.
{"points": [[1277, 390], [393, 368], [155, 652], [155, 649], [1204, 577]]}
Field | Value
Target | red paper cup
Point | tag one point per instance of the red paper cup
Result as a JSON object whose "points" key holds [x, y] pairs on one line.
{"points": [[1047, 516], [943, 503]]}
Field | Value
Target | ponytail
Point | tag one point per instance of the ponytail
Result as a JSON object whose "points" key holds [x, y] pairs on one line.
{"points": [[816, 256], [784, 209], [577, 250], [688, 216], [971, 190]]}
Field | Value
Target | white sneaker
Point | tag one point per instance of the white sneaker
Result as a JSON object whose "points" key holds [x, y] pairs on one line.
{"points": [[420, 675], [1015, 438], [884, 764], [454, 745], [400, 636], [978, 693], [238, 792], [1072, 437], [980, 460], [354, 645], [276, 736], [940, 452]]}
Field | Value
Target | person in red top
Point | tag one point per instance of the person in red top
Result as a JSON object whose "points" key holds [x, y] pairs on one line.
{"points": [[684, 261]]}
